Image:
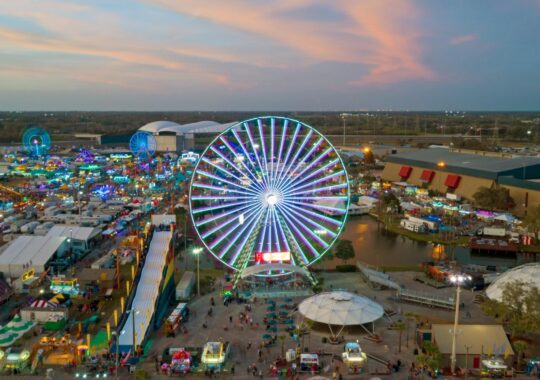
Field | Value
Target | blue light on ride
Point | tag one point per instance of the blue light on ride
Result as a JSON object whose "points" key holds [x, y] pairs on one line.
{"points": [[142, 145], [36, 141]]}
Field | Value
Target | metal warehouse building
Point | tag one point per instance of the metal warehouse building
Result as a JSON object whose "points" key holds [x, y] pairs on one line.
{"points": [[463, 173]]}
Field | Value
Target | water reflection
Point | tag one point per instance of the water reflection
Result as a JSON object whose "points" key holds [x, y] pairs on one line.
{"points": [[376, 246]]}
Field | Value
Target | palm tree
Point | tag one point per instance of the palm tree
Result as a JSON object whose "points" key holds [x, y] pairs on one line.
{"points": [[400, 327], [520, 346], [282, 338]]}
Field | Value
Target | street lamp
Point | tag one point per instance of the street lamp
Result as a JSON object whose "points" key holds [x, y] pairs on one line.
{"points": [[115, 334], [79, 200], [197, 252], [456, 279], [441, 165]]}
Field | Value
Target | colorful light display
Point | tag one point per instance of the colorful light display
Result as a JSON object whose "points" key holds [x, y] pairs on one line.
{"points": [[272, 179]]}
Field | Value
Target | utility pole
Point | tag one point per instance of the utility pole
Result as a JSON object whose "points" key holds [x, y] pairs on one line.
{"points": [[344, 129], [467, 348]]}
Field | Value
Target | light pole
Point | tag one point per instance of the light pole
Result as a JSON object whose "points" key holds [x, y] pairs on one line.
{"points": [[197, 252], [115, 334], [457, 280], [344, 129], [441, 165], [79, 200], [467, 348], [70, 241]]}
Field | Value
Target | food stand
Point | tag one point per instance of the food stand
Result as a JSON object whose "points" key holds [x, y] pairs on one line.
{"points": [[214, 355], [309, 363], [16, 358], [353, 356], [180, 362], [493, 367]]}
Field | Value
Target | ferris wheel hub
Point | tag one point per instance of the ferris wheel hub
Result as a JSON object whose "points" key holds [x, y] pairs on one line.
{"points": [[271, 199]]}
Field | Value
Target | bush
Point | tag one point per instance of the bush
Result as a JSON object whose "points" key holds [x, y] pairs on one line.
{"points": [[346, 268]]}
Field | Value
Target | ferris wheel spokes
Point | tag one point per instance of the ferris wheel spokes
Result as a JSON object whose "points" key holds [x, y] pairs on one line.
{"points": [[269, 190]]}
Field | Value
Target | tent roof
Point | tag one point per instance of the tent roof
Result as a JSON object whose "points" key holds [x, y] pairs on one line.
{"points": [[340, 308], [487, 339], [75, 232], [30, 249]]}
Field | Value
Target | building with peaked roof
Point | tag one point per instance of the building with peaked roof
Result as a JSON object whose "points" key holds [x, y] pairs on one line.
{"points": [[464, 172], [473, 343]]}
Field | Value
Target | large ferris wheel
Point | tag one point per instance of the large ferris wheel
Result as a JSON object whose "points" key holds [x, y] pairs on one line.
{"points": [[269, 190]]}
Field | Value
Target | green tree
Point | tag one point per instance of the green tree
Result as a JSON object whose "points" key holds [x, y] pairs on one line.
{"points": [[532, 219], [430, 357], [369, 158], [281, 339], [520, 346], [389, 201], [344, 250], [494, 198], [519, 307]]}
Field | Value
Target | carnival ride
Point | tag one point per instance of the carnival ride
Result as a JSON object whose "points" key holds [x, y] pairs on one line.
{"points": [[353, 356], [269, 190], [36, 141], [144, 304], [142, 145], [214, 355]]}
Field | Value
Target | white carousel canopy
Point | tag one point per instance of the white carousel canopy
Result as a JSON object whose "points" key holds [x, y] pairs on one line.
{"points": [[340, 308]]}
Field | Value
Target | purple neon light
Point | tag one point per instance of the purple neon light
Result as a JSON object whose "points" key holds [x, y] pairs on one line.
{"points": [[289, 224], [296, 217], [218, 240], [294, 209], [209, 175], [290, 175], [243, 244], [260, 167], [297, 153], [320, 180], [289, 149], [300, 177]]}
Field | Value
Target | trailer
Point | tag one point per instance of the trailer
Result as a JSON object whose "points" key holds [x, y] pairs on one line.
{"points": [[185, 286]]}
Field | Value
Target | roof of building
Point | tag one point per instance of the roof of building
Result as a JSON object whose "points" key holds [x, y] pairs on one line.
{"points": [[486, 166], [205, 126], [30, 250], [74, 232], [528, 273], [486, 339], [156, 126]]}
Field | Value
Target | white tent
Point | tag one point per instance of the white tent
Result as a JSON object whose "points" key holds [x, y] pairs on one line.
{"points": [[507, 218], [340, 308]]}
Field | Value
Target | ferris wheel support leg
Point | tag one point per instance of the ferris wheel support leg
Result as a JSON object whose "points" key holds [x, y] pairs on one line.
{"points": [[294, 251], [246, 253]]}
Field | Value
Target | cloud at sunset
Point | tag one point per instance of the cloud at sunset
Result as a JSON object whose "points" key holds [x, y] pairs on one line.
{"points": [[237, 50], [459, 40]]}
